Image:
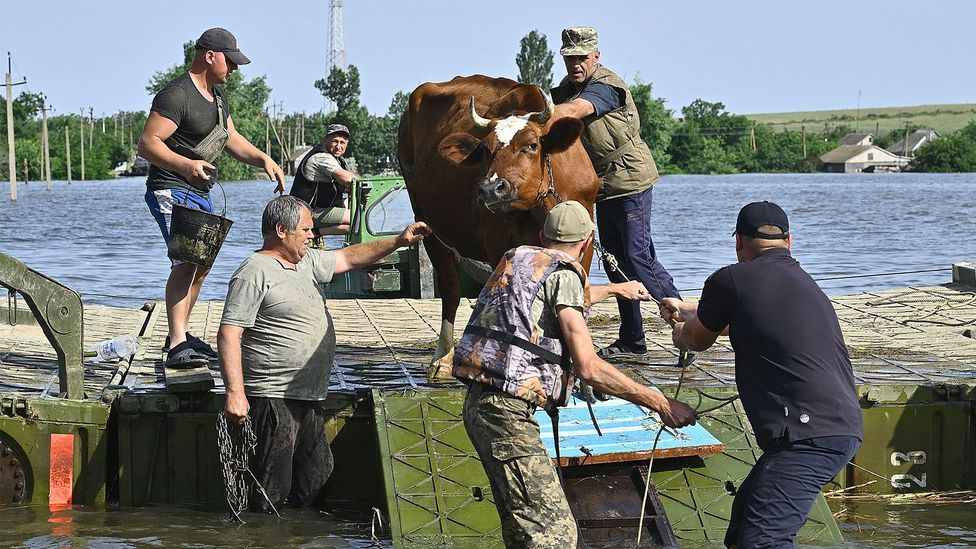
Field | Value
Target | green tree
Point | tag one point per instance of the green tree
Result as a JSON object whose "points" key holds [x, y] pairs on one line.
{"points": [[398, 105], [656, 122], [955, 152], [535, 60], [373, 139], [342, 87], [26, 106], [710, 139]]}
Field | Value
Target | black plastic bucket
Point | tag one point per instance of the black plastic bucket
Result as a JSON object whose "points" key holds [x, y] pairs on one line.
{"points": [[196, 236]]}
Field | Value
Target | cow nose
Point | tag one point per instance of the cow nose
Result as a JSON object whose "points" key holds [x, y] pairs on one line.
{"points": [[495, 190]]}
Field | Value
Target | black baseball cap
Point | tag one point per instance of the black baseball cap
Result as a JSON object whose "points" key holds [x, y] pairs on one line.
{"points": [[755, 215], [222, 40]]}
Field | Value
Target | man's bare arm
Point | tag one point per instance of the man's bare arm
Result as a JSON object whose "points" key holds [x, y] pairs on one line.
{"points": [[360, 255], [689, 332], [577, 108], [603, 377], [239, 148], [229, 350], [633, 290]]}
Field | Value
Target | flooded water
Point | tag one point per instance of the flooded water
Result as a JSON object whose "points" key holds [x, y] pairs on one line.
{"points": [[868, 525], [98, 527], [99, 238]]}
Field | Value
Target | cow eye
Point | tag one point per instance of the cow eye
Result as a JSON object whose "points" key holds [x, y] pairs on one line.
{"points": [[531, 147]]}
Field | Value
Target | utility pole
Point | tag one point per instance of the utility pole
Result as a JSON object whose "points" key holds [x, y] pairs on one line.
{"points": [[904, 144], [11, 155], [81, 142], [26, 173], [45, 145], [803, 131], [752, 136], [67, 152], [267, 135], [91, 126]]}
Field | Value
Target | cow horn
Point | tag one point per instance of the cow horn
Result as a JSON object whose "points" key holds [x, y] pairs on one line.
{"points": [[478, 120], [545, 115]]}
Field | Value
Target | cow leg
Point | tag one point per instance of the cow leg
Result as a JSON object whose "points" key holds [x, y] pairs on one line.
{"points": [[445, 262]]}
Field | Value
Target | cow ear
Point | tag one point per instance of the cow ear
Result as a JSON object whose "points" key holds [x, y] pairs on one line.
{"points": [[562, 134], [461, 148]]}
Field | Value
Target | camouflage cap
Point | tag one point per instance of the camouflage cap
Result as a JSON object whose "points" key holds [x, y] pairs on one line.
{"points": [[568, 222], [337, 128], [578, 41]]}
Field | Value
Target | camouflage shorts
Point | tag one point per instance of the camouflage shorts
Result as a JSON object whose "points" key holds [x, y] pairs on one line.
{"points": [[530, 501]]}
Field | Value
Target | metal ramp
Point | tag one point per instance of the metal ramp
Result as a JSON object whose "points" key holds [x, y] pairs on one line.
{"points": [[437, 492]]}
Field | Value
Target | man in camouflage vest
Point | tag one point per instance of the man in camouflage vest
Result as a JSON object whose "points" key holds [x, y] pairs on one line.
{"points": [[622, 160], [514, 357]]}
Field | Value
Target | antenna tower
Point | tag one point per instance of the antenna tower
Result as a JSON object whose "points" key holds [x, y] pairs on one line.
{"points": [[337, 43]]}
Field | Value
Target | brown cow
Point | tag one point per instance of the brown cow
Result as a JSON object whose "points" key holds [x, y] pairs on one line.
{"points": [[484, 183]]}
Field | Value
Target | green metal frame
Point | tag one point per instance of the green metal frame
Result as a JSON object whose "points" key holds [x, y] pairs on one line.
{"points": [[30, 421], [59, 311], [431, 473]]}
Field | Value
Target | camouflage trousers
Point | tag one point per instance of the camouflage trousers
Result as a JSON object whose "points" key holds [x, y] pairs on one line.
{"points": [[530, 501]]}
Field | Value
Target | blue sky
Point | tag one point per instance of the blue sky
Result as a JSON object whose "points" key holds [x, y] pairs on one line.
{"points": [[755, 56]]}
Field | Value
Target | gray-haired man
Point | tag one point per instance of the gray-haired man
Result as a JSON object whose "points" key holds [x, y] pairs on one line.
{"points": [[611, 137], [276, 343]]}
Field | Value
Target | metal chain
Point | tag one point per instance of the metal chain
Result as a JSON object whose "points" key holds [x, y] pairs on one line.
{"points": [[234, 450]]}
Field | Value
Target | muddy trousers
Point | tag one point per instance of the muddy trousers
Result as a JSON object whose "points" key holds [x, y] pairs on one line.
{"points": [[292, 459], [530, 501], [773, 502]]}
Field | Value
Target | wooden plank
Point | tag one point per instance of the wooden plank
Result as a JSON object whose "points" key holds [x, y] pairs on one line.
{"points": [[188, 380], [628, 434]]}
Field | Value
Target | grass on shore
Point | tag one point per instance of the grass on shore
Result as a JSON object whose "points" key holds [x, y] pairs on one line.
{"points": [[878, 121]]}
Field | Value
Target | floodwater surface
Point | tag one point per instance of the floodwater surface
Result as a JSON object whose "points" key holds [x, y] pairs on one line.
{"points": [[98, 238]]}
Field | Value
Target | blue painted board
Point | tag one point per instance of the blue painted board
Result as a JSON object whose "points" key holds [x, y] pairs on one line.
{"points": [[628, 434]]}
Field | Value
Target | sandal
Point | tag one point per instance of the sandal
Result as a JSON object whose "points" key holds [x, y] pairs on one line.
{"points": [[183, 356], [197, 344]]}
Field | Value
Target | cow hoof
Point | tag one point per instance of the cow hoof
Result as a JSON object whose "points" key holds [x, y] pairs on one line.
{"points": [[440, 369]]}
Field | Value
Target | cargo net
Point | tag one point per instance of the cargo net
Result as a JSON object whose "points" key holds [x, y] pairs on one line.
{"points": [[235, 444]]}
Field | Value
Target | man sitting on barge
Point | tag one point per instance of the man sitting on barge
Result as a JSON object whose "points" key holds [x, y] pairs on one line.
{"points": [[321, 180], [277, 342], [791, 369], [515, 356]]}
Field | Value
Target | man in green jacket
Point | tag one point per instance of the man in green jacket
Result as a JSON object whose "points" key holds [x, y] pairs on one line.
{"points": [[627, 171]]}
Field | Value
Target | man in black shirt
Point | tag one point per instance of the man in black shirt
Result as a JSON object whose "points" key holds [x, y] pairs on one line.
{"points": [[791, 369], [188, 128]]}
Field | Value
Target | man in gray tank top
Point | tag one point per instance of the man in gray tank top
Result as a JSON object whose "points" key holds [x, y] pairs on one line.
{"points": [[188, 128]]}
